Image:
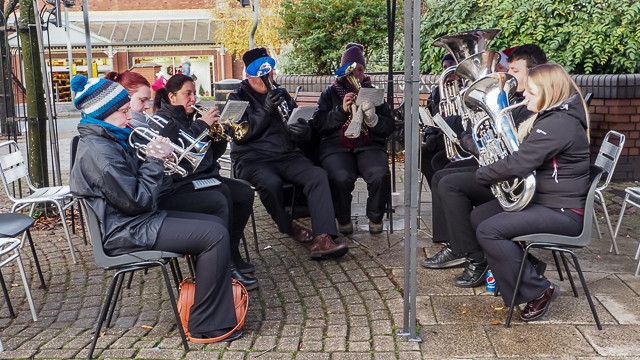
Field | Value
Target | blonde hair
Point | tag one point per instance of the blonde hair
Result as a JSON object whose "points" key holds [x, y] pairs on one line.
{"points": [[555, 86]]}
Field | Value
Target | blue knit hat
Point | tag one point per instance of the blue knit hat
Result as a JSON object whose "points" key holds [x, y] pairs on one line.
{"points": [[98, 98]]}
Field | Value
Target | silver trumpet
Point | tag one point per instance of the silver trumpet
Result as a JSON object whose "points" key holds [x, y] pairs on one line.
{"points": [[187, 141], [171, 163]]}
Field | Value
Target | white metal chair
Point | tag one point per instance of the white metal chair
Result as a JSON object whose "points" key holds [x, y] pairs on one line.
{"points": [[9, 251], [13, 170], [607, 159], [632, 196]]}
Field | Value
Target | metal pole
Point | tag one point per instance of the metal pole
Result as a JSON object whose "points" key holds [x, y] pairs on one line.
{"points": [[87, 34], [411, 77], [53, 137], [256, 12], [69, 49]]}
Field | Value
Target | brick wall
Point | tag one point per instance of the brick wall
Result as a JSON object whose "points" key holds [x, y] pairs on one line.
{"points": [[623, 116]]}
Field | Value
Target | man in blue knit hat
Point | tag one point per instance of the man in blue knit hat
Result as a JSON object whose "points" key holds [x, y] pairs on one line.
{"points": [[267, 157]]}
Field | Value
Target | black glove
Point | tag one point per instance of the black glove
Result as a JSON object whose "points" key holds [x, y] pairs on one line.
{"points": [[299, 130], [273, 100]]}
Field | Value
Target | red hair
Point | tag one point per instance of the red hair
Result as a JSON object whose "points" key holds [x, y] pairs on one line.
{"points": [[129, 80]]}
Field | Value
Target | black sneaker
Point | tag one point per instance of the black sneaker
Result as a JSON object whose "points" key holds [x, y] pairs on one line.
{"points": [[473, 274], [445, 258]]}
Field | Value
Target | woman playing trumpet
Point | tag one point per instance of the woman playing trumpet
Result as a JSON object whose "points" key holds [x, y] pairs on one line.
{"points": [[124, 192], [175, 104], [345, 157]]}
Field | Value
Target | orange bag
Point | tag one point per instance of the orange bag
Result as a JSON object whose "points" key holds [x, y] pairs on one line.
{"points": [[185, 301]]}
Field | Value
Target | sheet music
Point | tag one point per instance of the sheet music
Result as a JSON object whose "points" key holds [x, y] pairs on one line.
{"points": [[305, 112], [425, 116], [233, 111], [375, 96], [446, 130]]}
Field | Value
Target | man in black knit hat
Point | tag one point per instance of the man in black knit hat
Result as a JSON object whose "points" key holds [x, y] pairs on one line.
{"points": [[267, 157]]}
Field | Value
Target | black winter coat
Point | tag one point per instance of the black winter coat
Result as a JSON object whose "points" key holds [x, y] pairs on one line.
{"points": [[122, 191], [330, 118], [179, 120], [557, 149], [267, 138]]}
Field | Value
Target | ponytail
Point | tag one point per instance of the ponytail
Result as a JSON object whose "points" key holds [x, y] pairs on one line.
{"points": [[161, 94]]}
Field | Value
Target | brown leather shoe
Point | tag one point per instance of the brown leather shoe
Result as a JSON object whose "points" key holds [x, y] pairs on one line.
{"points": [[300, 233], [325, 248], [536, 308]]}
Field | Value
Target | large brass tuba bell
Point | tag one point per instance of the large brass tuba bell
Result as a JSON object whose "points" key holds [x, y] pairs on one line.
{"points": [[473, 62], [496, 136]]}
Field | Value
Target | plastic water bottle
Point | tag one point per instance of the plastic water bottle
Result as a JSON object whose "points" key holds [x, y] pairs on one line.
{"points": [[491, 282]]}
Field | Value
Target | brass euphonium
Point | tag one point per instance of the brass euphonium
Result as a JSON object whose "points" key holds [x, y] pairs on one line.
{"points": [[495, 135], [468, 50], [171, 163], [217, 130]]}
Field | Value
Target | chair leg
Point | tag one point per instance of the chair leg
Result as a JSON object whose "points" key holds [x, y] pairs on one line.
{"points": [[12, 314], [112, 309], [174, 305], [130, 280], [555, 259], [103, 315], [624, 206], [73, 220], [517, 288], [595, 221], [27, 290], [66, 231], [191, 263], [175, 268], [569, 276], [586, 290], [35, 260], [84, 231], [614, 245], [255, 233], [246, 248]]}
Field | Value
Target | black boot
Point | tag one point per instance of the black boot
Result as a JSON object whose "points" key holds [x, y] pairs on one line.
{"points": [[473, 274], [248, 282]]}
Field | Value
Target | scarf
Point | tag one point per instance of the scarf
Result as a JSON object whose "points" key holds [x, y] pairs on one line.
{"points": [[342, 88], [122, 134]]}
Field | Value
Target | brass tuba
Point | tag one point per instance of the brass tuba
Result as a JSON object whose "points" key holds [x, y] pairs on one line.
{"points": [[495, 135], [468, 50], [217, 130]]}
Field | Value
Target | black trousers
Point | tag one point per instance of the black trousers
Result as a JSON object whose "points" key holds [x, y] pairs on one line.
{"points": [[439, 218], [269, 176], [458, 194], [495, 228], [205, 237], [343, 169], [232, 201]]}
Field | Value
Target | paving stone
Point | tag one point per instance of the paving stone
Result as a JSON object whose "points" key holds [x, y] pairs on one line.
{"points": [[312, 356], [613, 340], [159, 354], [539, 340]]}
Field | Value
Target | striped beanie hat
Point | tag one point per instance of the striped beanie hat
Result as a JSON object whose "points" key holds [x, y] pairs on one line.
{"points": [[98, 98]]}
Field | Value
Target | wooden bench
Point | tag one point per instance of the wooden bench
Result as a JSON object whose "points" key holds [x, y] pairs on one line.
{"points": [[308, 98]]}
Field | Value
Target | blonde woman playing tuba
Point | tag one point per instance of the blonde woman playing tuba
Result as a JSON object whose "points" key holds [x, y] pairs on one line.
{"points": [[555, 144], [346, 157]]}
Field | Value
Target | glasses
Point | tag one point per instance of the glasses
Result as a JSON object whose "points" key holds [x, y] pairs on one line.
{"points": [[124, 111]]}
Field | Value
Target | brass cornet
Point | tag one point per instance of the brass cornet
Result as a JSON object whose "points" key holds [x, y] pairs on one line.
{"points": [[217, 130], [171, 163], [186, 141]]}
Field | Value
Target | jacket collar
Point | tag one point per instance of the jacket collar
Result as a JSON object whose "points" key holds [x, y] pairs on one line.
{"points": [[571, 106]]}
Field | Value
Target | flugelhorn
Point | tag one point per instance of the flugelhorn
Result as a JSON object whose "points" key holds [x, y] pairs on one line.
{"points": [[171, 163], [186, 141], [217, 130]]}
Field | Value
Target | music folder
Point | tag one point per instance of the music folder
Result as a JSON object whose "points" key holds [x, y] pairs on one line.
{"points": [[374, 95], [233, 111], [446, 130], [305, 112], [425, 117]]}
